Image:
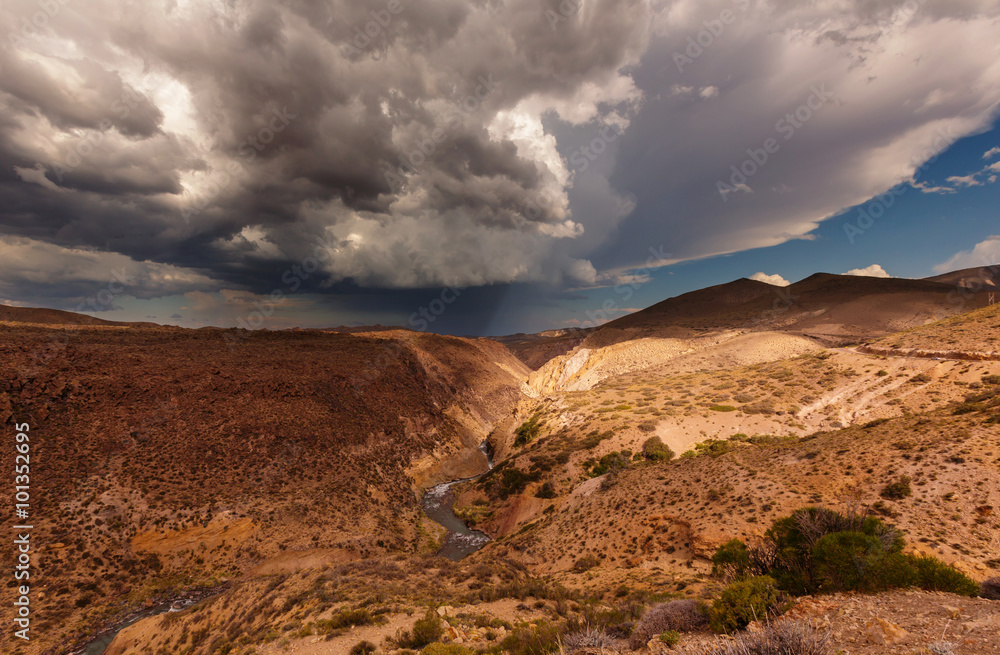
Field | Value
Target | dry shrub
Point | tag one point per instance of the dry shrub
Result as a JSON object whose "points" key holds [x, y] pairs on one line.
{"points": [[990, 589], [785, 638], [679, 615], [589, 637]]}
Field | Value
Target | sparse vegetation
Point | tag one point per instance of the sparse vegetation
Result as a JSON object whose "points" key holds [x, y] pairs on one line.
{"points": [[527, 431], [654, 449], [780, 638]]}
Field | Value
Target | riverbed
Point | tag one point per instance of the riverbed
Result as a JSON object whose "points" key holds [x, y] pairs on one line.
{"points": [[438, 503]]}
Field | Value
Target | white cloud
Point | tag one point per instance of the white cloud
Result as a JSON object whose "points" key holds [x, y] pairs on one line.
{"points": [[776, 280], [898, 99], [869, 271], [991, 153], [32, 270], [964, 180], [984, 253], [927, 188]]}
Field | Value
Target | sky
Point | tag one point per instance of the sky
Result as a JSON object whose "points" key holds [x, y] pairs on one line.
{"points": [[484, 167]]}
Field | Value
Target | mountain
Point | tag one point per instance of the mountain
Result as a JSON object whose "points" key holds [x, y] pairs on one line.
{"points": [[835, 308], [979, 277]]}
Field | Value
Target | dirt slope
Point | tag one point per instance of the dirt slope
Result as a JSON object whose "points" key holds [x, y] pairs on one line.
{"points": [[169, 459]]}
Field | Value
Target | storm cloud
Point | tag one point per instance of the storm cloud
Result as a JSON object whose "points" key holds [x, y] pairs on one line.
{"points": [[412, 144]]}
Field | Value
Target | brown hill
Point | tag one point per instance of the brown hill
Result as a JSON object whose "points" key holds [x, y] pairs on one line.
{"points": [[42, 316], [979, 277], [972, 335], [836, 308], [170, 458]]}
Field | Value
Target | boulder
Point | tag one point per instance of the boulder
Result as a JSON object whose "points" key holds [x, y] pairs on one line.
{"points": [[881, 632]]}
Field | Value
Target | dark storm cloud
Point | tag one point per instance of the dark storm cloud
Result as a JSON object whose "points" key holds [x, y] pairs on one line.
{"points": [[419, 143], [396, 134]]}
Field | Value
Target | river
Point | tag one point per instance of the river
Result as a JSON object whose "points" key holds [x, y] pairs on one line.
{"points": [[101, 642], [438, 502]]}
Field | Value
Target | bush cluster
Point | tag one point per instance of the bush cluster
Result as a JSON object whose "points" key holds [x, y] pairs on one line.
{"points": [[817, 550]]}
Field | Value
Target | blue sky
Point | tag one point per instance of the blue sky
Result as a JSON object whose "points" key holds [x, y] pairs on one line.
{"points": [[914, 237]]}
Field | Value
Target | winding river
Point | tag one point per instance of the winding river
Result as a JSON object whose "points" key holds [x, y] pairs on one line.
{"points": [[438, 502], [101, 642]]}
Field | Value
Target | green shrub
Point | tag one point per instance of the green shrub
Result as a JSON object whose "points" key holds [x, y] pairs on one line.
{"points": [[722, 408], [935, 575], [670, 638], [611, 461], [527, 431], [786, 551], [513, 481], [363, 648], [744, 601], [654, 449], [843, 561], [898, 490], [731, 560], [716, 447], [819, 550], [344, 619], [425, 631]]}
